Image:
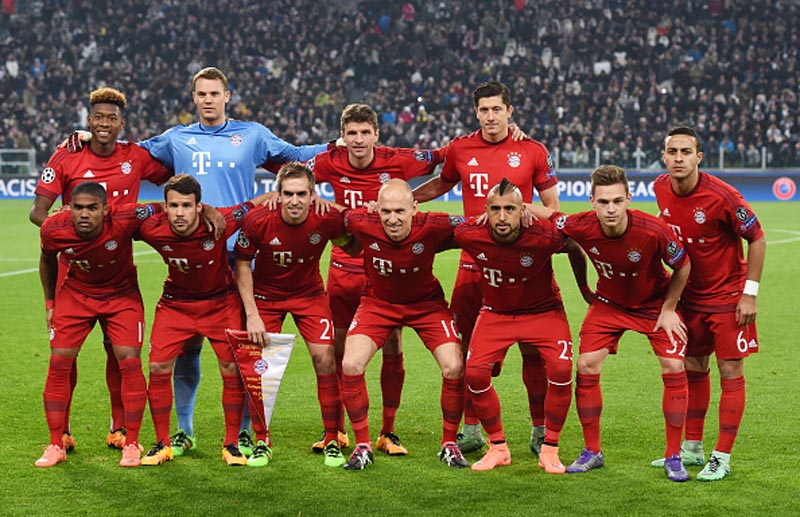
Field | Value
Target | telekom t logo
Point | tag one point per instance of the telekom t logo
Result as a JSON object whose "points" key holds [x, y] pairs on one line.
{"points": [[479, 182], [282, 258], [200, 161], [493, 276], [603, 268], [353, 198], [383, 266], [181, 264]]}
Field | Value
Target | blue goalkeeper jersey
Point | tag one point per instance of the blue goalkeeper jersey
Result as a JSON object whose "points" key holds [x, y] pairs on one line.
{"points": [[224, 158]]}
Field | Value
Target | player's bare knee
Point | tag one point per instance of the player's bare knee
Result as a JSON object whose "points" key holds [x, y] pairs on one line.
{"points": [[730, 368], [228, 367], [323, 359], [452, 369], [669, 365], [353, 366], [162, 367]]}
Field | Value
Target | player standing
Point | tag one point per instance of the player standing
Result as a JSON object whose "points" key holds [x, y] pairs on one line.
{"points": [[119, 168], [634, 292], [521, 303], [356, 172], [479, 161], [711, 218], [399, 247], [199, 298], [101, 285], [287, 245]]}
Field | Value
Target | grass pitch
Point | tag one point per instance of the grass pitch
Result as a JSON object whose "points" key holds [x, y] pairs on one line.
{"points": [[764, 462]]}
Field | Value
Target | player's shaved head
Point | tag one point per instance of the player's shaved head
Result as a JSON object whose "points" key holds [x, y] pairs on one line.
{"points": [[183, 184], [506, 187], [396, 208], [396, 187], [108, 96], [606, 175]]}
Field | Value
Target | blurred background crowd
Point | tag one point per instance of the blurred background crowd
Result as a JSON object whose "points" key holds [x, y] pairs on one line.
{"points": [[593, 80]]}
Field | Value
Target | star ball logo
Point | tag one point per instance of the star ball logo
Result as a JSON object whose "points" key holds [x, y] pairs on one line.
{"points": [[784, 188]]}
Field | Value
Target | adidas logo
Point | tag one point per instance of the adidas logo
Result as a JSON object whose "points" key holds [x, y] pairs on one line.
{"points": [[473, 162], [345, 179], [166, 247], [666, 213], [89, 174], [594, 250], [191, 141], [275, 242], [481, 256], [374, 246]]}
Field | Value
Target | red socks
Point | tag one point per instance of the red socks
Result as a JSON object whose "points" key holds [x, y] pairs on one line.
{"points": [[674, 402], [589, 400], [392, 377]]}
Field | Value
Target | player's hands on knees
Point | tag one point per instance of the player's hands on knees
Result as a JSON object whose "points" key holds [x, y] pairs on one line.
{"points": [[517, 134], [746, 310], [74, 142], [214, 221], [256, 331], [272, 201], [673, 326], [322, 206]]}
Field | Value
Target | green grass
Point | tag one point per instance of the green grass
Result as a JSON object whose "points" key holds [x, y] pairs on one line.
{"points": [[764, 461]]}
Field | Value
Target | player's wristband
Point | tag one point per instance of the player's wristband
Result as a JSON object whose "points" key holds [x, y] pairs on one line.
{"points": [[750, 288], [49, 304]]}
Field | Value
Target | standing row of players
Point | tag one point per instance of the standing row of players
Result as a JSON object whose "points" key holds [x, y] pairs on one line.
{"points": [[491, 150]]}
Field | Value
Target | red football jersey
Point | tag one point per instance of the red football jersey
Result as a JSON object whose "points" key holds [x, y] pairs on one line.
{"points": [[517, 277], [480, 165], [120, 173], [287, 257], [401, 272], [101, 267], [711, 222], [354, 187], [630, 272], [197, 264]]}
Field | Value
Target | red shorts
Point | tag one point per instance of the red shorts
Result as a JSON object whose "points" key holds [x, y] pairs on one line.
{"points": [[121, 318], [312, 315], [466, 301], [604, 325], [495, 333], [720, 334], [178, 321], [344, 290], [431, 320]]}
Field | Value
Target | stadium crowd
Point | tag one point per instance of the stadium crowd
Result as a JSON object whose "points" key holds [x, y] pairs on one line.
{"points": [[590, 78]]}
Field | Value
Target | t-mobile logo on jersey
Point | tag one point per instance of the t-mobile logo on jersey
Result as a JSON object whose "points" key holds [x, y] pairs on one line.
{"points": [[81, 264], [493, 276], [383, 266], [479, 182], [353, 198], [200, 161], [181, 264], [282, 258], [603, 268], [677, 230]]}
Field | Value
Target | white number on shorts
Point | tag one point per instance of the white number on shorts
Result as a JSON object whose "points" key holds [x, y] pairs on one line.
{"points": [[741, 342], [326, 333], [449, 328], [674, 349], [566, 351]]}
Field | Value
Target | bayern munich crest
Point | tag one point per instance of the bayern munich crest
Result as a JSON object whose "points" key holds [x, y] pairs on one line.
{"points": [[260, 366], [126, 167], [417, 248], [315, 238], [208, 244], [236, 140], [514, 160], [48, 175], [384, 177], [526, 261], [634, 256], [699, 216], [111, 245]]}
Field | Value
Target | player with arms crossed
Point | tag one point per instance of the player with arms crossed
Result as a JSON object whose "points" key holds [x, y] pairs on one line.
{"points": [[481, 160], [634, 292], [399, 247], [287, 245], [356, 173], [521, 303], [199, 299], [711, 218], [100, 286], [120, 168]]}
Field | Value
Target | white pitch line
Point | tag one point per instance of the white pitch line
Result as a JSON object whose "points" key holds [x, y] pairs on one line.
{"points": [[784, 241], [31, 270]]}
